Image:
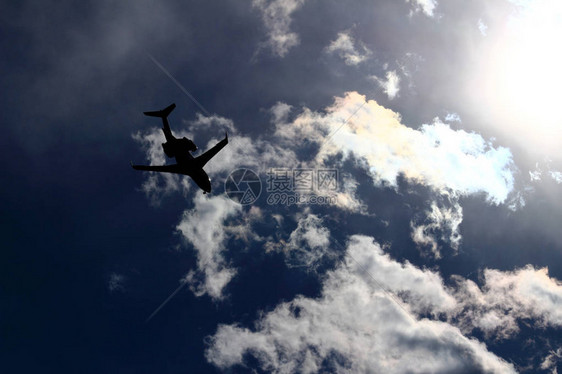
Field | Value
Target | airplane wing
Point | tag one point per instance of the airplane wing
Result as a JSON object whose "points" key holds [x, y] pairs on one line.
{"points": [[162, 169], [205, 157]]}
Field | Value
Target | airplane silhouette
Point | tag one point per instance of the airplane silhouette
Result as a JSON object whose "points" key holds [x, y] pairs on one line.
{"points": [[181, 149]]}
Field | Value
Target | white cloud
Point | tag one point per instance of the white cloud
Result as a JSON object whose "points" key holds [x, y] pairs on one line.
{"points": [[157, 185], [345, 47], [355, 327], [204, 228], [482, 27], [308, 243], [368, 318], [442, 221], [453, 163], [425, 6], [280, 112], [434, 155], [556, 175], [551, 360], [535, 175], [347, 198], [213, 120], [422, 289], [242, 151], [243, 231], [453, 117], [422, 238], [544, 168], [390, 85], [276, 15], [508, 296]]}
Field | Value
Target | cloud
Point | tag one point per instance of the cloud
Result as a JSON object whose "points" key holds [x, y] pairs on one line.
{"points": [[390, 86], [425, 6], [204, 228], [242, 151], [344, 46], [280, 112], [434, 155], [544, 168], [453, 117], [355, 327], [506, 297], [482, 27], [556, 175], [371, 308], [244, 231], [116, 282], [156, 186], [307, 245], [439, 221], [276, 15], [452, 163], [551, 360], [259, 154], [347, 198]]}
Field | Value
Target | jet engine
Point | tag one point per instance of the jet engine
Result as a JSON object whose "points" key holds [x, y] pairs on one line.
{"points": [[172, 148]]}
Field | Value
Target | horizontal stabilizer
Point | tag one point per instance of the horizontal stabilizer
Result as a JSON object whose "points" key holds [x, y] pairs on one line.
{"points": [[161, 113]]}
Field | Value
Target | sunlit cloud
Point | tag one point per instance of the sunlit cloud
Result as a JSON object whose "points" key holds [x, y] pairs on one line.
{"points": [[425, 6], [390, 85], [453, 163], [370, 309], [507, 297], [347, 49], [543, 169], [354, 326], [449, 161], [453, 117]]}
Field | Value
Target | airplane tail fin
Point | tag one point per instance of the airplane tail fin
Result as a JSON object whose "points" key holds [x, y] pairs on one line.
{"points": [[161, 113]]}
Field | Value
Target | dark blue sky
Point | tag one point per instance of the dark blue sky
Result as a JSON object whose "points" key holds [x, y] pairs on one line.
{"points": [[433, 257]]}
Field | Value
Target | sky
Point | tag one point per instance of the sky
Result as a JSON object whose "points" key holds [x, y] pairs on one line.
{"points": [[399, 162]]}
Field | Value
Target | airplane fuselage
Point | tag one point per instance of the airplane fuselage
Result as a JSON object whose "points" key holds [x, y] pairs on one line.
{"points": [[181, 149], [189, 165]]}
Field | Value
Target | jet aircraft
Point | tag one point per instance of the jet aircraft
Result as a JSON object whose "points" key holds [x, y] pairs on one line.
{"points": [[181, 149]]}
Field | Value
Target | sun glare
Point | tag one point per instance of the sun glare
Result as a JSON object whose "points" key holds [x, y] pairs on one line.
{"points": [[523, 78]]}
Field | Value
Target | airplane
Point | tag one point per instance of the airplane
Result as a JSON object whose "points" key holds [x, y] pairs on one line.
{"points": [[181, 149]]}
